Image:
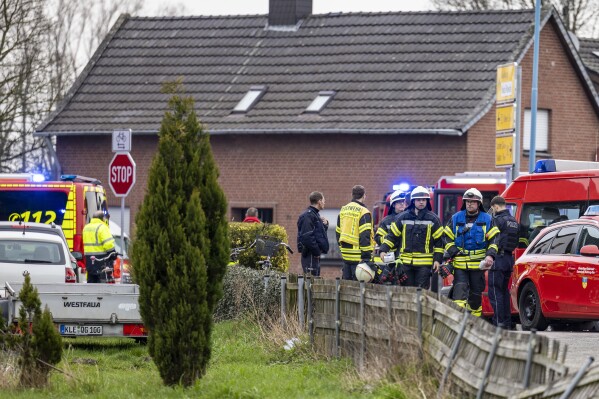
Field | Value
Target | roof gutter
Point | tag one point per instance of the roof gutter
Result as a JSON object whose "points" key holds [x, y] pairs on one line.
{"points": [[441, 132]]}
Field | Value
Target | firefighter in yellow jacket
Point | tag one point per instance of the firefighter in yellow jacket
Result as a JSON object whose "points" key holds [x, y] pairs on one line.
{"points": [[355, 233], [99, 243]]}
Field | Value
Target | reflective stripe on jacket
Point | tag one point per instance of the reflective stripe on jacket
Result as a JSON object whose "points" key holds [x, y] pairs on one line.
{"points": [[469, 242], [419, 238], [354, 232]]}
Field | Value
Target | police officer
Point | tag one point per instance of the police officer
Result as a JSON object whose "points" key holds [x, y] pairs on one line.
{"points": [[418, 234], [469, 242], [99, 243], [312, 238], [505, 231], [354, 232]]}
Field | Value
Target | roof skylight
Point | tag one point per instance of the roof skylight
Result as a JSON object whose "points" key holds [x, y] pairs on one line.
{"points": [[321, 101], [250, 99]]}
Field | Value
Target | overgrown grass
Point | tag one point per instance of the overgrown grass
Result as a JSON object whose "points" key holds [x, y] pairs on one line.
{"points": [[248, 361]]}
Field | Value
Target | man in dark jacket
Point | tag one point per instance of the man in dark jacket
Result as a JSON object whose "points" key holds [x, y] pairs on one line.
{"points": [[312, 238], [505, 233]]}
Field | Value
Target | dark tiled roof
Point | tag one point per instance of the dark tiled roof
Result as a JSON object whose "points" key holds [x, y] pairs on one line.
{"points": [[586, 50], [398, 71]]}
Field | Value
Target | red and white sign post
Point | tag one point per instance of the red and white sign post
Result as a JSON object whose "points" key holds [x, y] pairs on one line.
{"points": [[121, 177]]}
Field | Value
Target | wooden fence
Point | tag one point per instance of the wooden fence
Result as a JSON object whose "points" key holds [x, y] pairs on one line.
{"points": [[377, 325]]}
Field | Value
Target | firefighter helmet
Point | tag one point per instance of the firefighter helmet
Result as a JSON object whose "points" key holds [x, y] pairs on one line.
{"points": [[396, 196], [364, 272], [420, 193], [472, 194]]}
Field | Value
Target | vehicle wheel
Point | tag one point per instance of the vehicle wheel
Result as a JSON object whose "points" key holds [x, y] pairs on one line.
{"points": [[141, 340], [531, 315]]}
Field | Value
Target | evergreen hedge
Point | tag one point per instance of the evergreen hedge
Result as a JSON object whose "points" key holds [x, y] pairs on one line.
{"points": [[245, 295], [181, 248], [243, 234]]}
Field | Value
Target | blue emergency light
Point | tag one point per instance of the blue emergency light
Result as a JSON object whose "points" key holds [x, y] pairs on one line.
{"points": [[561, 165], [38, 178], [405, 187]]}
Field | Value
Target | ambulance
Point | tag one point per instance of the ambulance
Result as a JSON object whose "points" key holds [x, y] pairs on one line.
{"points": [[68, 203]]}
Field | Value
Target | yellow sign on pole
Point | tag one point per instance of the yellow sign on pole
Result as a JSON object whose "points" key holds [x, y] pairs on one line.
{"points": [[504, 150], [506, 83], [505, 117]]}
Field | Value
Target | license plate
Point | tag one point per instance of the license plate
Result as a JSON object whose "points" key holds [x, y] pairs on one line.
{"points": [[70, 329]]}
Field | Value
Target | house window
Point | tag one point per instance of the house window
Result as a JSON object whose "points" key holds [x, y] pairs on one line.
{"points": [[321, 101], [264, 214], [250, 99], [542, 134]]}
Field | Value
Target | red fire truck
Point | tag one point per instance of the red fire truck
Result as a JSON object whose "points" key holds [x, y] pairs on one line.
{"points": [[69, 203]]}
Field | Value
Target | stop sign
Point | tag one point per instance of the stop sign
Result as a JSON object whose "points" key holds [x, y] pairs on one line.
{"points": [[121, 174]]}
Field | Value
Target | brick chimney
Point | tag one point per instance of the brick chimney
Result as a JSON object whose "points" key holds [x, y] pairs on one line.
{"points": [[288, 12]]}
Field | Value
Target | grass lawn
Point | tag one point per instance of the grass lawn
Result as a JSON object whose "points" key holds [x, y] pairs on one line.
{"points": [[243, 365]]}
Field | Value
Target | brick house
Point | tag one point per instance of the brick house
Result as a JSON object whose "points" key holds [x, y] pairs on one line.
{"points": [[297, 102]]}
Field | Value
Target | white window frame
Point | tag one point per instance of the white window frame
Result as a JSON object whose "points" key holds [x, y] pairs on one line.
{"points": [[320, 102], [542, 133], [250, 99]]}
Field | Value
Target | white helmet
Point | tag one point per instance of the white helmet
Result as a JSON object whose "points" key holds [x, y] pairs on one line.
{"points": [[396, 196], [419, 193], [472, 194], [364, 273]]}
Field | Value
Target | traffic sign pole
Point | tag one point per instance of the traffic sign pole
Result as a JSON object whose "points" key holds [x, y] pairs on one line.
{"points": [[121, 176]]}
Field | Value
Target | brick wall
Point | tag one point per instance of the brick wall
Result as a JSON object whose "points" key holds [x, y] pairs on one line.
{"points": [[281, 171], [573, 123]]}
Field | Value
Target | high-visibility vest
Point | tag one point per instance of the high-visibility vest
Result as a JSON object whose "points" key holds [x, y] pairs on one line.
{"points": [[470, 238], [349, 230]]}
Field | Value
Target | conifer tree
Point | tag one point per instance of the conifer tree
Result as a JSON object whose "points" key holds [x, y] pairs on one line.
{"points": [[181, 249], [41, 344]]}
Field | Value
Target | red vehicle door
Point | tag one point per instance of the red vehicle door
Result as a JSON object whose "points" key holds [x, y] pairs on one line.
{"points": [[586, 274], [558, 287]]}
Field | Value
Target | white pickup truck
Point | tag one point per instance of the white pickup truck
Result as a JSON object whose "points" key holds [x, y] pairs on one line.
{"points": [[105, 310]]}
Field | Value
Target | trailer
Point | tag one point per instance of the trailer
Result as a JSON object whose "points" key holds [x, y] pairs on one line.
{"points": [[99, 310]]}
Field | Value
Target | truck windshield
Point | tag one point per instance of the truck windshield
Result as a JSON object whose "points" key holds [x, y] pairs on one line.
{"points": [[33, 206]]}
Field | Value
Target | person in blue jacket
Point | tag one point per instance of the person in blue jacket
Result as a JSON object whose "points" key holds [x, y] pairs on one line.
{"points": [[312, 239]]}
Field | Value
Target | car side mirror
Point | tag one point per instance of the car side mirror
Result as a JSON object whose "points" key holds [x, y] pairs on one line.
{"points": [[79, 256], [589, 250]]}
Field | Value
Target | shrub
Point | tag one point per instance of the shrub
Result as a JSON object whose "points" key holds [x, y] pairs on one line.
{"points": [[245, 295], [243, 234], [181, 248], [40, 343]]}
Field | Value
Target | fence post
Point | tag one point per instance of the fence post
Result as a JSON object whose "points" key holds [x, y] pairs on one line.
{"points": [[389, 316], [300, 301], [266, 278], [532, 343], [419, 315], [489, 362], [454, 352], [577, 378], [309, 309], [362, 327], [283, 301], [337, 316]]}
